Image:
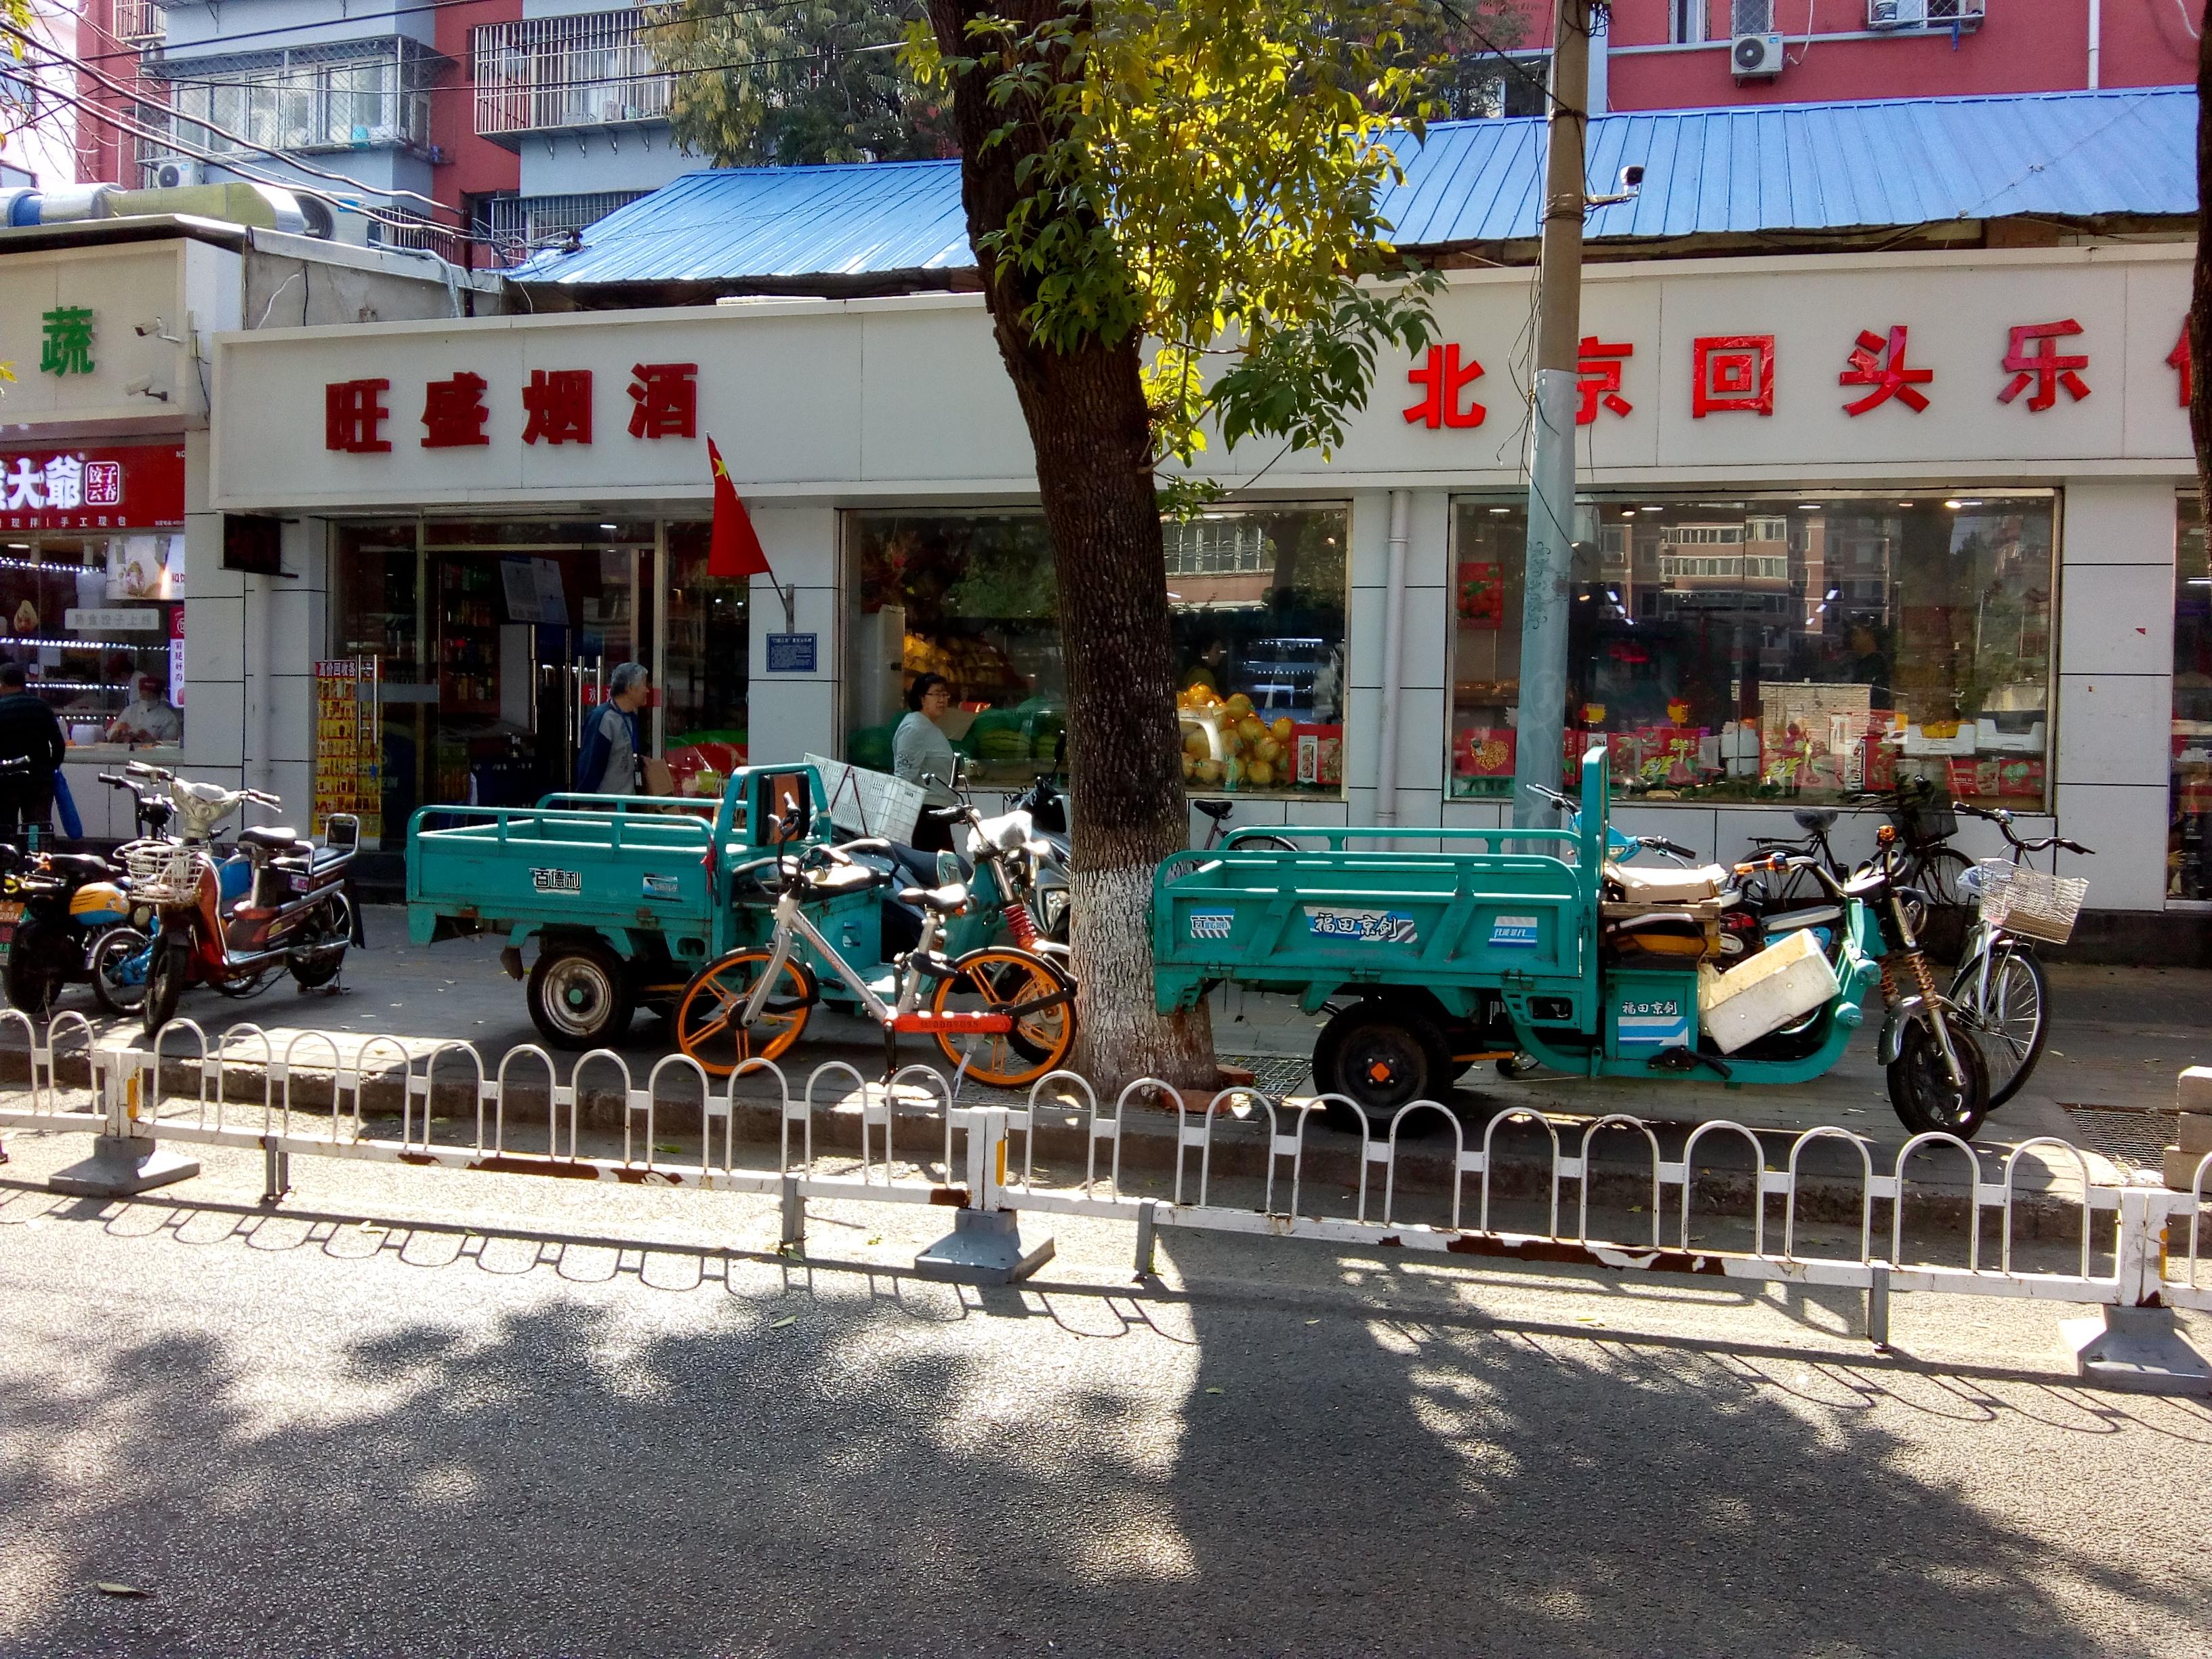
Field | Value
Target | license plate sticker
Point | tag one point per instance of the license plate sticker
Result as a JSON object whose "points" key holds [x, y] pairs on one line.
{"points": [[1211, 924], [1513, 934], [663, 887], [1652, 1023]]}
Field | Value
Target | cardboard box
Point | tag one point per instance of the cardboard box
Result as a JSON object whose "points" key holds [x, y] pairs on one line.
{"points": [[1319, 751]]}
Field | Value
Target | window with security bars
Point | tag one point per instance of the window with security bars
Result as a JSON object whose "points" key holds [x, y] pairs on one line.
{"points": [[541, 74], [355, 97], [1751, 17], [521, 226]]}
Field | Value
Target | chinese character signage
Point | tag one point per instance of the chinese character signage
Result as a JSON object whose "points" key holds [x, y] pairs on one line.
{"points": [[66, 347], [556, 406], [349, 744], [139, 486]]}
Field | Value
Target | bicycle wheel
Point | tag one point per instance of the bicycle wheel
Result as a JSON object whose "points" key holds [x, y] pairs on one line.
{"points": [[1937, 874], [1001, 980], [707, 1024], [1264, 844], [2004, 1011]]}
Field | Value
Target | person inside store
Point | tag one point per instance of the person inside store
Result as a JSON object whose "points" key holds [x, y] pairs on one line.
{"points": [[1868, 667], [1211, 669], [922, 754], [31, 750], [607, 759], [152, 719]]}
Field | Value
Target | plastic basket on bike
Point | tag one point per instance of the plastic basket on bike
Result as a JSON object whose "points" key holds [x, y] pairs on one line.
{"points": [[2029, 901]]}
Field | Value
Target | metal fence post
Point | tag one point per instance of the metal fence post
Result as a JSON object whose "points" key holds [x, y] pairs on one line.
{"points": [[794, 1215], [276, 1169], [124, 1159], [985, 1245], [1147, 1230], [1877, 1306], [2136, 1347]]}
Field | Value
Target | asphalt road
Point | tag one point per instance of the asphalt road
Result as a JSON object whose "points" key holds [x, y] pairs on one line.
{"points": [[305, 1435]]}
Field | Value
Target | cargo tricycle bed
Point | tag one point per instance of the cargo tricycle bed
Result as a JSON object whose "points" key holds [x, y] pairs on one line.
{"points": [[627, 895], [1489, 947]]}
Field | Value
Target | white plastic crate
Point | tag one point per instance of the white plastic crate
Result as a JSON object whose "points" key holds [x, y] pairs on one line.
{"points": [[1785, 982]]}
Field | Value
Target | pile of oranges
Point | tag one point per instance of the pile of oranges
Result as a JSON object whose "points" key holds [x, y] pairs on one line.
{"points": [[1225, 743]]}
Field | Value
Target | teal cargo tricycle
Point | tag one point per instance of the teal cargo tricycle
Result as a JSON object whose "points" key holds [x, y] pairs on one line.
{"points": [[1530, 942], [629, 898]]}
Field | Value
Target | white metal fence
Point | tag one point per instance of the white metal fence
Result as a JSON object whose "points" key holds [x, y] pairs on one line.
{"points": [[2138, 1245]]}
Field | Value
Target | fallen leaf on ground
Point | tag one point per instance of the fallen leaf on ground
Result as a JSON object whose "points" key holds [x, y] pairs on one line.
{"points": [[1213, 1391], [370, 1228], [666, 1146], [106, 1588], [778, 1324], [1313, 1322]]}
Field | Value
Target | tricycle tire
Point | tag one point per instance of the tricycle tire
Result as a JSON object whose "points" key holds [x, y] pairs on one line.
{"points": [[1382, 1054], [1921, 1093], [579, 995]]}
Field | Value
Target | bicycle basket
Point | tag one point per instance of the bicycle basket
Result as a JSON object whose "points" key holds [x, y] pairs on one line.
{"points": [[163, 875], [1929, 819], [2030, 902]]}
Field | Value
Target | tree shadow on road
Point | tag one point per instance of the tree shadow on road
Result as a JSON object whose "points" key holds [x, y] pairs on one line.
{"points": [[798, 1462]]}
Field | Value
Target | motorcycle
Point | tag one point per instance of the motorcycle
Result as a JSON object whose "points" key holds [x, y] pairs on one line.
{"points": [[81, 921], [278, 903]]}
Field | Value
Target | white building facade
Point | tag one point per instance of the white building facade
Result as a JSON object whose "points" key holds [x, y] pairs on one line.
{"points": [[1842, 517]]}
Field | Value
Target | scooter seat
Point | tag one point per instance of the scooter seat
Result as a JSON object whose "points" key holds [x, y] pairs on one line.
{"points": [[325, 856], [79, 866], [839, 879], [1660, 884], [273, 837], [947, 901]]}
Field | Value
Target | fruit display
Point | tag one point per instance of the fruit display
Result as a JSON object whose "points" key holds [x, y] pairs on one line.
{"points": [[1228, 744]]}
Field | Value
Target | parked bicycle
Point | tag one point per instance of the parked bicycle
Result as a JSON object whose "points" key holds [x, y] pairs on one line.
{"points": [[2000, 991], [1005, 1014], [1250, 841]]}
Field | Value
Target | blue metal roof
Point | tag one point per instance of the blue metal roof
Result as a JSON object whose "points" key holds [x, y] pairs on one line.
{"points": [[1778, 167]]}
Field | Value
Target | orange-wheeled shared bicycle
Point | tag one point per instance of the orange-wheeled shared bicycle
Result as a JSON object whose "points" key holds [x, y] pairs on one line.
{"points": [[1004, 1014]]}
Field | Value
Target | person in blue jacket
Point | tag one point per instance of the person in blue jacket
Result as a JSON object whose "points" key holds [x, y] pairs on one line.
{"points": [[607, 759]]}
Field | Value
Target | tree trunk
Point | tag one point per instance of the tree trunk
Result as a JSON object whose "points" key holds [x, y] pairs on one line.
{"points": [[1091, 431], [2200, 288]]}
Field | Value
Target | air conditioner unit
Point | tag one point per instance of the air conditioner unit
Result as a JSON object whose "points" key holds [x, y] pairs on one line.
{"points": [[1756, 57], [1925, 14], [177, 173]]}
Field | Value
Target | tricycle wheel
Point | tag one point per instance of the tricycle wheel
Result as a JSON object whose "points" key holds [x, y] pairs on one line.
{"points": [[1920, 1086], [1382, 1056], [579, 995], [706, 1020]]}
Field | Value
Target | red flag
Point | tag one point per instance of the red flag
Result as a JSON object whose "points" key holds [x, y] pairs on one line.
{"points": [[734, 548]]}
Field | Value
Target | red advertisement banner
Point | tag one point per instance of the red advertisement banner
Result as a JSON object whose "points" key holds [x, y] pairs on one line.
{"points": [[90, 487]]}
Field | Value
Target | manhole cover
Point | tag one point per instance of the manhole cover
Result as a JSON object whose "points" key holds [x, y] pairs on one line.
{"points": [[1273, 1074], [2136, 1136]]}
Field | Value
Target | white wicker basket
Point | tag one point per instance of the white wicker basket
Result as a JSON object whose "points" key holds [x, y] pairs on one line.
{"points": [[2030, 902], [164, 875]]}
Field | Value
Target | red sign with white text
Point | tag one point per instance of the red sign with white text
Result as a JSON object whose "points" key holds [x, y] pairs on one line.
{"points": [[121, 486]]}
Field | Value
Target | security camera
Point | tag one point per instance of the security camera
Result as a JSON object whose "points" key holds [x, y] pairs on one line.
{"points": [[1631, 181], [143, 387], [1632, 177]]}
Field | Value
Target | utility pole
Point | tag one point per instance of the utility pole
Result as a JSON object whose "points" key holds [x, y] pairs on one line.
{"points": [[1547, 595]]}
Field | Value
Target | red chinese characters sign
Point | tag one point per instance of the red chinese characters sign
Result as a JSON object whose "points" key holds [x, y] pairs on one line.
{"points": [[134, 486], [556, 406], [1445, 378]]}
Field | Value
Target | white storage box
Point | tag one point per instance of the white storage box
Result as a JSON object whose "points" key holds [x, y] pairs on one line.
{"points": [[1785, 982]]}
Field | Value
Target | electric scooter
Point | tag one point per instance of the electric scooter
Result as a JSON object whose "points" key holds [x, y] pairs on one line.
{"points": [[280, 902]]}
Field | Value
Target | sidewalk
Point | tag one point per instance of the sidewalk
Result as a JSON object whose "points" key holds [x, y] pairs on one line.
{"points": [[2121, 1034]]}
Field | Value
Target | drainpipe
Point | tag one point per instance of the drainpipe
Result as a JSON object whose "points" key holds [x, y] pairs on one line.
{"points": [[259, 771], [2096, 37], [1394, 652]]}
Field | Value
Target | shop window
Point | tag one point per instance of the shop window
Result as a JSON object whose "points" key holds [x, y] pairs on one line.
{"points": [[705, 672], [1257, 599], [1775, 649], [97, 623], [2189, 862]]}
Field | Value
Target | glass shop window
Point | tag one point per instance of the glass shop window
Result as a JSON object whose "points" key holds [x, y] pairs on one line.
{"points": [[97, 622], [2188, 867]]}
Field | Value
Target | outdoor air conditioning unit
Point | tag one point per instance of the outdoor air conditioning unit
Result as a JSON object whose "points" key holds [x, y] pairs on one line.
{"points": [[1756, 57], [177, 172], [1925, 13]]}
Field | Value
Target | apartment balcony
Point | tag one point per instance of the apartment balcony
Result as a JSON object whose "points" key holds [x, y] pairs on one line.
{"points": [[140, 23], [549, 74]]}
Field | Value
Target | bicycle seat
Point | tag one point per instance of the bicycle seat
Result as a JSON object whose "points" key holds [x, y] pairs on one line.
{"points": [[948, 901], [1813, 819], [839, 879], [1216, 810]]}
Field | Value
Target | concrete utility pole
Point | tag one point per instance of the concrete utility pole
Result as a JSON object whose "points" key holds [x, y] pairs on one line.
{"points": [[1547, 594]]}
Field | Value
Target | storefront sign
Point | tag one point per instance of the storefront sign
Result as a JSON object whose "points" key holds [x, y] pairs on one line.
{"points": [[80, 620], [793, 653], [556, 404], [349, 744], [66, 347], [136, 486]]}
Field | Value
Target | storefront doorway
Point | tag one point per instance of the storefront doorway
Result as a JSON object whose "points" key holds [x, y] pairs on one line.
{"points": [[495, 638]]}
